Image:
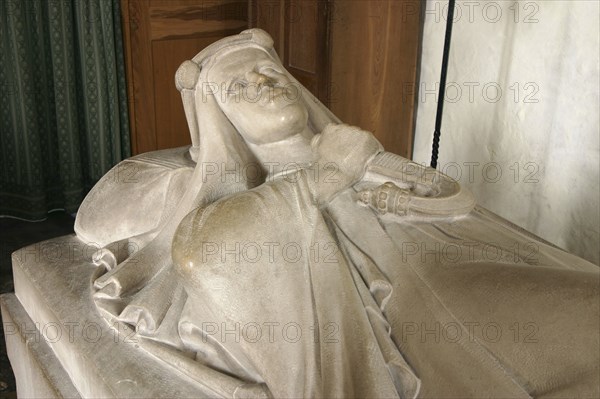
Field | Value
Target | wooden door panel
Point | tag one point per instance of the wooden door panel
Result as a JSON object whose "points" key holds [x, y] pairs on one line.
{"points": [[188, 18], [169, 115], [374, 68], [359, 57], [302, 40], [269, 16], [159, 36], [306, 45], [140, 72]]}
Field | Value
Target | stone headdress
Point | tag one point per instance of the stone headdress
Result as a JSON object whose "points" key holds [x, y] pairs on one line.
{"points": [[205, 119]]}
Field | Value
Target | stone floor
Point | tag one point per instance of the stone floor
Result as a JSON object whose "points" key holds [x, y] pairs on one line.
{"points": [[15, 234]]}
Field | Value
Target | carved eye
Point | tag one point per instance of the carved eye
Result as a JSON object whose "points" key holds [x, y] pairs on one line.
{"points": [[269, 71]]}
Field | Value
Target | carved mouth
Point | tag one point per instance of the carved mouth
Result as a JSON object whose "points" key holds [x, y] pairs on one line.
{"points": [[276, 94]]}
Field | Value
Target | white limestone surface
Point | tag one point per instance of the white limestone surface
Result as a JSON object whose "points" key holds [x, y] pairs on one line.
{"points": [[521, 120]]}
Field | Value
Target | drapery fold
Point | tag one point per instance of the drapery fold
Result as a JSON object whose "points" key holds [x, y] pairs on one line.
{"points": [[63, 114]]}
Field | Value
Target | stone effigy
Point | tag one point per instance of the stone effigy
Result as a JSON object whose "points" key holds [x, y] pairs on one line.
{"points": [[285, 254]]}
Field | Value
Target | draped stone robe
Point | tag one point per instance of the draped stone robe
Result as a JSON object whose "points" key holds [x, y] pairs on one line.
{"points": [[510, 311], [270, 257]]}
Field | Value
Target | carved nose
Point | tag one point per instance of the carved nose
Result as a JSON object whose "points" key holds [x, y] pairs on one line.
{"points": [[256, 77], [262, 79]]}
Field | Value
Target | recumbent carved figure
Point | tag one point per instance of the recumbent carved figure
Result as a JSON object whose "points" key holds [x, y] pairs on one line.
{"points": [[285, 254]]}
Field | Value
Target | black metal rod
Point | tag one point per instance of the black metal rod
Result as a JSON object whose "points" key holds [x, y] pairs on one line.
{"points": [[442, 93]]}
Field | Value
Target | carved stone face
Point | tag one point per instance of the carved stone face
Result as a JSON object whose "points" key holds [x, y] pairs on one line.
{"points": [[258, 96]]}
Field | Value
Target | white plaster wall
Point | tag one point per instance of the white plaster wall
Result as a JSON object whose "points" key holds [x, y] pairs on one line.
{"points": [[541, 132]]}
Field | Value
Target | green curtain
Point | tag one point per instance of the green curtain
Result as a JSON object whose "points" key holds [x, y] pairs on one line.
{"points": [[63, 110]]}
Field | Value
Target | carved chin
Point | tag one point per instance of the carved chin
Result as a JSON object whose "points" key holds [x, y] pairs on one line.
{"points": [[293, 119], [282, 124]]}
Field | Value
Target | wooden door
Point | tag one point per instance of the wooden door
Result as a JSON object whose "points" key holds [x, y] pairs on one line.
{"points": [[375, 50], [359, 57], [159, 36]]}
